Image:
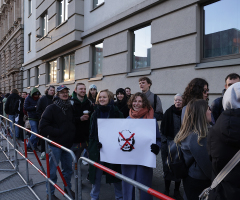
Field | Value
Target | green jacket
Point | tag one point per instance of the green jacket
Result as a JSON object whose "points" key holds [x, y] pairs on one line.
{"points": [[94, 152]]}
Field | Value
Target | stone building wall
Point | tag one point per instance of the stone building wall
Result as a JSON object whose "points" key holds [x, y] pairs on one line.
{"points": [[11, 45]]}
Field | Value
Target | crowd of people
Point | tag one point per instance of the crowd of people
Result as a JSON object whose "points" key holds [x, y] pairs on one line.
{"points": [[208, 135]]}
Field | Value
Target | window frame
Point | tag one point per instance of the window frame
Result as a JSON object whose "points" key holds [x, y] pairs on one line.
{"points": [[49, 71], [69, 68], [202, 30], [29, 42], [29, 7], [44, 24], [93, 59], [94, 5], [37, 75], [28, 78], [132, 47], [62, 17]]}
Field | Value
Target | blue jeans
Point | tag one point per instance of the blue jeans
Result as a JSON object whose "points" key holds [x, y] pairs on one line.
{"points": [[66, 164], [85, 153], [12, 118], [33, 138], [96, 187]]}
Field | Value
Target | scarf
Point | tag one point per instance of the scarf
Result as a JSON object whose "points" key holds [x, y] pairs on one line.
{"points": [[143, 113], [63, 105], [167, 125]]}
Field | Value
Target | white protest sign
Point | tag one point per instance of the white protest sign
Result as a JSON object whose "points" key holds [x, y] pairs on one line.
{"points": [[127, 141]]}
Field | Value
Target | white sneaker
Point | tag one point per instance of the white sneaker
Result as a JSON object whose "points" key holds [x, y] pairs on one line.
{"points": [[84, 162]]}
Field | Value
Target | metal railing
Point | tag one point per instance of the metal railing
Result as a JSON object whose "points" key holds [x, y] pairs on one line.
{"points": [[42, 172], [138, 186], [77, 170]]}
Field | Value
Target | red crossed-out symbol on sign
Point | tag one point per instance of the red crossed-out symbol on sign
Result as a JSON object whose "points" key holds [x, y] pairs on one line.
{"points": [[126, 140]]}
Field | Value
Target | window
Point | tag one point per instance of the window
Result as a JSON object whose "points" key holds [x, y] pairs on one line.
{"points": [[97, 60], [29, 42], [221, 29], [29, 7], [96, 3], [28, 78], [142, 48], [37, 75], [63, 11], [68, 68], [52, 72], [44, 24]]}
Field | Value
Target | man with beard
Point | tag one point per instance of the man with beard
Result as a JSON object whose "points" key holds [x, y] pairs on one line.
{"points": [[43, 102], [58, 124], [80, 104]]}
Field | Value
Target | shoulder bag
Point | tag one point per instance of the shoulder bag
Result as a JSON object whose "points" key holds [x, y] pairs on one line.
{"points": [[222, 174]]}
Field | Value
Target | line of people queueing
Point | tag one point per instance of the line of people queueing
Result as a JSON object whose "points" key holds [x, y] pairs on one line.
{"points": [[188, 122]]}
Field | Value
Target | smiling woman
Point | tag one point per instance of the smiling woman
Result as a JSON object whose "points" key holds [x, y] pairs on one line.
{"points": [[140, 108], [104, 109]]}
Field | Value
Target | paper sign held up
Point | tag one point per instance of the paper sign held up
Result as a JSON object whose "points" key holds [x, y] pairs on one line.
{"points": [[127, 141]]}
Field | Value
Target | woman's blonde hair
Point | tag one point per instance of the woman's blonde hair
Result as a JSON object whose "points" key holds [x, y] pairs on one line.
{"points": [[194, 120], [109, 93]]}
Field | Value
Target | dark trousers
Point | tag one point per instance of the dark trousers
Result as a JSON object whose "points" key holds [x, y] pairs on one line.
{"points": [[194, 187]]}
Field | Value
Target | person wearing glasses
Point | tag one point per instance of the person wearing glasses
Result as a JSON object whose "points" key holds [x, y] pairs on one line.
{"points": [[170, 126], [196, 89], [58, 123]]}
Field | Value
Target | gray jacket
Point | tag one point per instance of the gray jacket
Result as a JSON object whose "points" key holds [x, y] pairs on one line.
{"points": [[158, 112], [196, 157]]}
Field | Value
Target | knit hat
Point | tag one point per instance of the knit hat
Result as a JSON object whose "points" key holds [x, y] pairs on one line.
{"points": [[92, 87], [231, 98]]}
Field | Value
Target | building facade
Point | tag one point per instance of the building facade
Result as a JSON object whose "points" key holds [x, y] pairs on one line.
{"points": [[112, 43], [11, 45]]}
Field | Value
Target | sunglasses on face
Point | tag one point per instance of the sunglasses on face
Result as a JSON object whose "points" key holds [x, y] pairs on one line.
{"points": [[205, 91]]}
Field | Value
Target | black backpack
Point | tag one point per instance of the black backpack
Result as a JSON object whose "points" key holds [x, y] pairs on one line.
{"points": [[175, 161]]}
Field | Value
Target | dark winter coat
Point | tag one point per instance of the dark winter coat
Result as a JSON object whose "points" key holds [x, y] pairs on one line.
{"points": [[82, 127], [123, 107], [223, 144], [59, 127], [1, 105], [94, 152], [30, 105], [217, 108], [42, 103], [16, 107], [196, 157], [10, 104], [170, 126]]}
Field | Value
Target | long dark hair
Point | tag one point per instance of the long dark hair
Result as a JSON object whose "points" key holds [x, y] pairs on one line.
{"points": [[194, 90]]}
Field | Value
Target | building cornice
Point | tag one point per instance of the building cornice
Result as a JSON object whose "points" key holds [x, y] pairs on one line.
{"points": [[9, 36]]}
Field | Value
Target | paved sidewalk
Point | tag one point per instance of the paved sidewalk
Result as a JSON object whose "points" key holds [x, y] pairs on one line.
{"points": [[107, 190]]}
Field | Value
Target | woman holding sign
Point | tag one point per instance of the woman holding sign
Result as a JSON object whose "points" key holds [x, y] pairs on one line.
{"points": [[140, 108], [104, 109]]}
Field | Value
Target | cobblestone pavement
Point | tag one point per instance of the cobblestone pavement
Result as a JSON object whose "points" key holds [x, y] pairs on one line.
{"points": [[107, 190]]}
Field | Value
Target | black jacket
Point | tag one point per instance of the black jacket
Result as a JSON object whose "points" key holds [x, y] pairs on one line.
{"points": [[30, 106], [16, 107], [10, 104], [59, 127], [223, 144], [217, 108], [42, 103], [123, 107], [82, 127]]}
